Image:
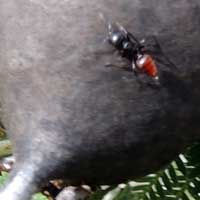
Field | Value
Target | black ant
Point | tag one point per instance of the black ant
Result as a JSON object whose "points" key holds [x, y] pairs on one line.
{"points": [[131, 49]]}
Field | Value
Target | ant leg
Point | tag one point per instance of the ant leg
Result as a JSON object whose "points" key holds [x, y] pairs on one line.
{"points": [[106, 40], [151, 45], [167, 60], [149, 48], [117, 54], [133, 65], [133, 38], [116, 57], [134, 68]]}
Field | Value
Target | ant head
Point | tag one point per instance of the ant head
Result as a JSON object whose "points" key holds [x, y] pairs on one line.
{"points": [[116, 38]]}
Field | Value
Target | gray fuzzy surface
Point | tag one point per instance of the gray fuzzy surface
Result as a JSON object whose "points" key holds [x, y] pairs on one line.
{"points": [[70, 116]]}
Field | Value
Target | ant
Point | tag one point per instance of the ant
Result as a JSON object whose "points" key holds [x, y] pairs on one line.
{"points": [[132, 49]]}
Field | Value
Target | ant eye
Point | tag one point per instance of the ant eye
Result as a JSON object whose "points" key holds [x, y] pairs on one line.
{"points": [[115, 39]]}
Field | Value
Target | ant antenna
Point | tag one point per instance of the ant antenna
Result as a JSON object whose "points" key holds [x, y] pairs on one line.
{"points": [[106, 22], [121, 28]]}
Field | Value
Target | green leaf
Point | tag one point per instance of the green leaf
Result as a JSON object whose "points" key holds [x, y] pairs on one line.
{"points": [[2, 133], [152, 194], [39, 196], [185, 197], [181, 165], [159, 189], [194, 188], [5, 148], [99, 194], [124, 194], [3, 178], [194, 172], [172, 173], [166, 181]]}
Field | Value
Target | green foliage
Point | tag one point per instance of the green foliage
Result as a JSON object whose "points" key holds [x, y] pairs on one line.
{"points": [[179, 181], [3, 135], [5, 144], [39, 196], [5, 148], [3, 178]]}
